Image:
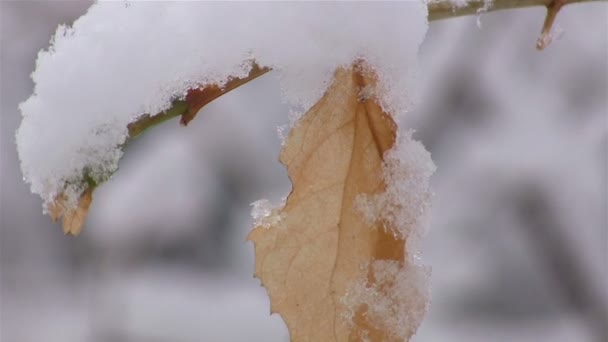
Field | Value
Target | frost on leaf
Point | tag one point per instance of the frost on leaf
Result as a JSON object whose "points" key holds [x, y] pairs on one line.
{"points": [[332, 272], [391, 301], [265, 214]]}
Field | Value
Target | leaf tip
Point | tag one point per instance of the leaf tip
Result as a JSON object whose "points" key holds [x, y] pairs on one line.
{"points": [[72, 217]]}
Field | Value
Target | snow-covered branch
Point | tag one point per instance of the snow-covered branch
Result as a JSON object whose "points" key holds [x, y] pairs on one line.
{"points": [[103, 82], [194, 101], [437, 9]]}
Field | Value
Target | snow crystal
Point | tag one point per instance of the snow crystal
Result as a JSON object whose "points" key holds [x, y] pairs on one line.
{"points": [[403, 206], [459, 3], [396, 302], [555, 33], [122, 60], [455, 3], [487, 4], [265, 214]]}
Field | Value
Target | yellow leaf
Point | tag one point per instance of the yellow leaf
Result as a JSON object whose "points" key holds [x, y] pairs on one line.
{"points": [[332, 273]]}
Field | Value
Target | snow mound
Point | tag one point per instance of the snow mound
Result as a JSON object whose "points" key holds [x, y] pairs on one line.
{"points": [[124, 59]]}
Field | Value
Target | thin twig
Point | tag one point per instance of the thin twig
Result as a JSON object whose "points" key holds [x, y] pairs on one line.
{"points": [[194, 101], [444, 9]]}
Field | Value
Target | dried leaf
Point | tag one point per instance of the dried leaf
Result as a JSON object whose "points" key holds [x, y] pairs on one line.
{"points": [[72, 217], [318, 251]]}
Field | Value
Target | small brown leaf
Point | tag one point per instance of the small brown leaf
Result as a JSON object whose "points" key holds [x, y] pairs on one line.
{"points": [[319, 249], [72, 217]]}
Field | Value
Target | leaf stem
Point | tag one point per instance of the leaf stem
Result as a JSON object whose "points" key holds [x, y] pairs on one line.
{"points": [[194, 101], [146, 121]]}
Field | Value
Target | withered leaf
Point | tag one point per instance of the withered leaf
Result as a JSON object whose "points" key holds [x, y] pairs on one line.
{"points": [[319, 245], [72, 217]]}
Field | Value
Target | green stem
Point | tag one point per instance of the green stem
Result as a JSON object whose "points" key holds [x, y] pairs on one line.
{"points": [[146, 121]]}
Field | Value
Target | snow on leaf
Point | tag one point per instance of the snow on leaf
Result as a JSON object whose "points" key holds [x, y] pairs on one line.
{"points": [[325, 265]]}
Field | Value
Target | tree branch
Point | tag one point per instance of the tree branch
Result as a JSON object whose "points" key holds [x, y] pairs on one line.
{"points": [[444, 9], [438, 9]]}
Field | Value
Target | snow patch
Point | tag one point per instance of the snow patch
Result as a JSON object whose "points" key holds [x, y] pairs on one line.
{"points": [[395, 303], [402, 208], [265, 214]]}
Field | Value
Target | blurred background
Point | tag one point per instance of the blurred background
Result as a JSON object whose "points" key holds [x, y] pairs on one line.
{"points": [[518, 239]]}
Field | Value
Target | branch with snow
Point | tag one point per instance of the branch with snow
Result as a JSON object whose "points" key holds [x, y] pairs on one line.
{"points": [[98, 84], [95, 84], [437, 10]]}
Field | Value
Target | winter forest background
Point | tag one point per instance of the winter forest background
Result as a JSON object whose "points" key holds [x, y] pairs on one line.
{"points": [[518, 236]]}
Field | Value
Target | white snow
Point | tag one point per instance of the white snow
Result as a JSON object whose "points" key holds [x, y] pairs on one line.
{"points": [[396, 302], [266, 214], [487, 5], [399, 298], [455, 3], [404, 204], [124, 59]]}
